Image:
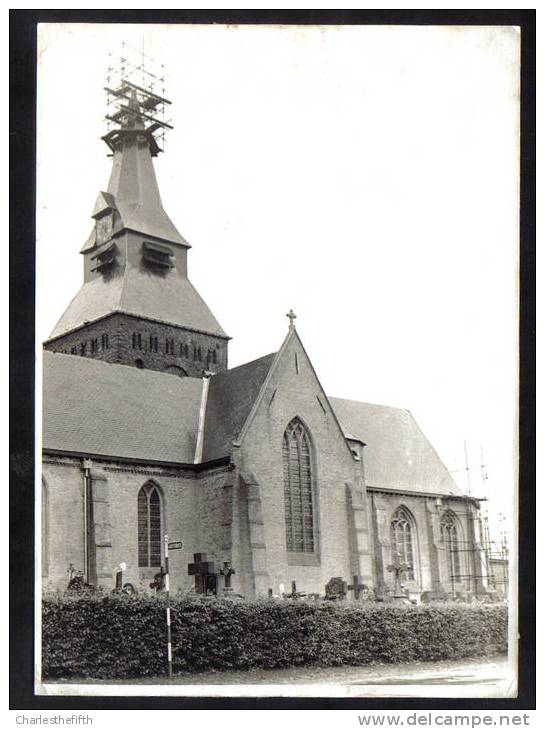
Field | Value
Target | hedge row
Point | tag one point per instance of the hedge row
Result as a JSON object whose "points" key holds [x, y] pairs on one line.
{"points": [[123, 637]]}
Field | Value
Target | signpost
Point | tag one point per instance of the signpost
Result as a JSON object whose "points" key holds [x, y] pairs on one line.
{"points": [[171, 545], [119, 577]]}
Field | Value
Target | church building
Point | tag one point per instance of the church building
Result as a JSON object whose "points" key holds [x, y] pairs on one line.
{"points": [[148, 432]]}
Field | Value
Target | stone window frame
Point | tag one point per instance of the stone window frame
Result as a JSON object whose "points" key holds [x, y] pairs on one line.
{"points": [[305, 557], [147, 489], [405, 513], [453, 559]]}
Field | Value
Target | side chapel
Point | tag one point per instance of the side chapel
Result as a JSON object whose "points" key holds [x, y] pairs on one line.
{"points": [[147, 432]]}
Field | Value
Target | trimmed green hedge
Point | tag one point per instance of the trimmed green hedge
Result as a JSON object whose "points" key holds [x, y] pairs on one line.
{"points": [[124, 636]]}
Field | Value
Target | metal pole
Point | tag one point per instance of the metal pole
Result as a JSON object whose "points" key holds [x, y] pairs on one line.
{"points": [[86, 526], [467, 470], [167, 588], [85, 529]]}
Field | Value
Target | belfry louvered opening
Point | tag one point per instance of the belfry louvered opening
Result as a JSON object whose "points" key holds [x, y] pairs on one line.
{"points": [[105, 257], [158, 255], [298, 506]]}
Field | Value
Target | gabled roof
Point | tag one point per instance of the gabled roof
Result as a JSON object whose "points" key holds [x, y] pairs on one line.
{"points": [[231, 396], [105, 201], [398, 455], [171, 299], [94, 407]]}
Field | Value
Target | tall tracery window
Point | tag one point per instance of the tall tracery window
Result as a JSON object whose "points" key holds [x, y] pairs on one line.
{"points": [[449, 535], [298, 489], [149, 526], [402, 540]]}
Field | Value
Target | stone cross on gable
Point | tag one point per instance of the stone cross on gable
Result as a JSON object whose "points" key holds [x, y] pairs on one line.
{"points": [[292, 316], [199, 569]]}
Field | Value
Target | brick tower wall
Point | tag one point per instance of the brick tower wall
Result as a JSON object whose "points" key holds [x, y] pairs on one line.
{"points": [[155, 346]]}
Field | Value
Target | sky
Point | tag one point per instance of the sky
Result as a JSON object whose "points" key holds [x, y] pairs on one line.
{"points": [[365, 176]]}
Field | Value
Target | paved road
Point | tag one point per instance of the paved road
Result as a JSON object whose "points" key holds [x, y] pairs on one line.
{"points": [[490, 677]]}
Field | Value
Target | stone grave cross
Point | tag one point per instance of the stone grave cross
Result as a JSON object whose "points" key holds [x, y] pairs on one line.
{"points": [[227, 571], [398, 568], [199, 569]]}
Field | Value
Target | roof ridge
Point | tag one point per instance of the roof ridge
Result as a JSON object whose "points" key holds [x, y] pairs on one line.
{"points": [[373, 404], [246, 364], [263, 386], [428, 441], [90, 361]]}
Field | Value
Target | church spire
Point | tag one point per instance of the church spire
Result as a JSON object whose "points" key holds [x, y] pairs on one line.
{"points": [[136, 126], [137, 305]]}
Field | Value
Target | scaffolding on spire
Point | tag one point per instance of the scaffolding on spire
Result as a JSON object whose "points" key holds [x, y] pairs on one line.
{"points": [[135, 99]]}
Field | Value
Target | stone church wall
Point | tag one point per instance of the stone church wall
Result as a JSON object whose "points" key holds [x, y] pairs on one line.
{"points": [[293, 391], [429, 550], [63, 541], [195, 509], [384, 506]]}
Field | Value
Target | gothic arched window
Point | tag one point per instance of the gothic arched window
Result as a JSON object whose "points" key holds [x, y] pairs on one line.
{"points": [[149, 526], [449, 535], [298, 489], [402, 540]]}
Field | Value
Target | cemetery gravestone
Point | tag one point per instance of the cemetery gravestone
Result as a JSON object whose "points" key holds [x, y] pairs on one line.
{"points": [[200, 569], [336, 589]]}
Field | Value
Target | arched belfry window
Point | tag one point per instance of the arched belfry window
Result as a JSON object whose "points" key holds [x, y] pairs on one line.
{"points": [[401, 535], [298, 509], [449, 535], [149, 526]]}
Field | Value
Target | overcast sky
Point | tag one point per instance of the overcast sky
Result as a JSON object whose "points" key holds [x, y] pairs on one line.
{"points": [[364, 176]]}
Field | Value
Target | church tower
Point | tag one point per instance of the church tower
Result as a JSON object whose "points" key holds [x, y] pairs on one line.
{"points": [[137, 305]]}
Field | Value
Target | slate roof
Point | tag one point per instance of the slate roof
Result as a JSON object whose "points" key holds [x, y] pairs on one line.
{"points": [[172, 299], [398, 455], [231, 395], [94, 407], [114, 410]]}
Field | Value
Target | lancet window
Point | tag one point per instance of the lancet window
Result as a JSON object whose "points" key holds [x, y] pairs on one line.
{"points": [[298, 505], [449, 535], [401, 535], [149, 526]]}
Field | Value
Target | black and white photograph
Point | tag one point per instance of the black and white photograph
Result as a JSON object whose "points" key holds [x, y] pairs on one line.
{"points": [[277, 360]]}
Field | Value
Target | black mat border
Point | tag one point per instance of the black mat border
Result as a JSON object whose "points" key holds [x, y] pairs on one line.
{"points": [[22, 301]]}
